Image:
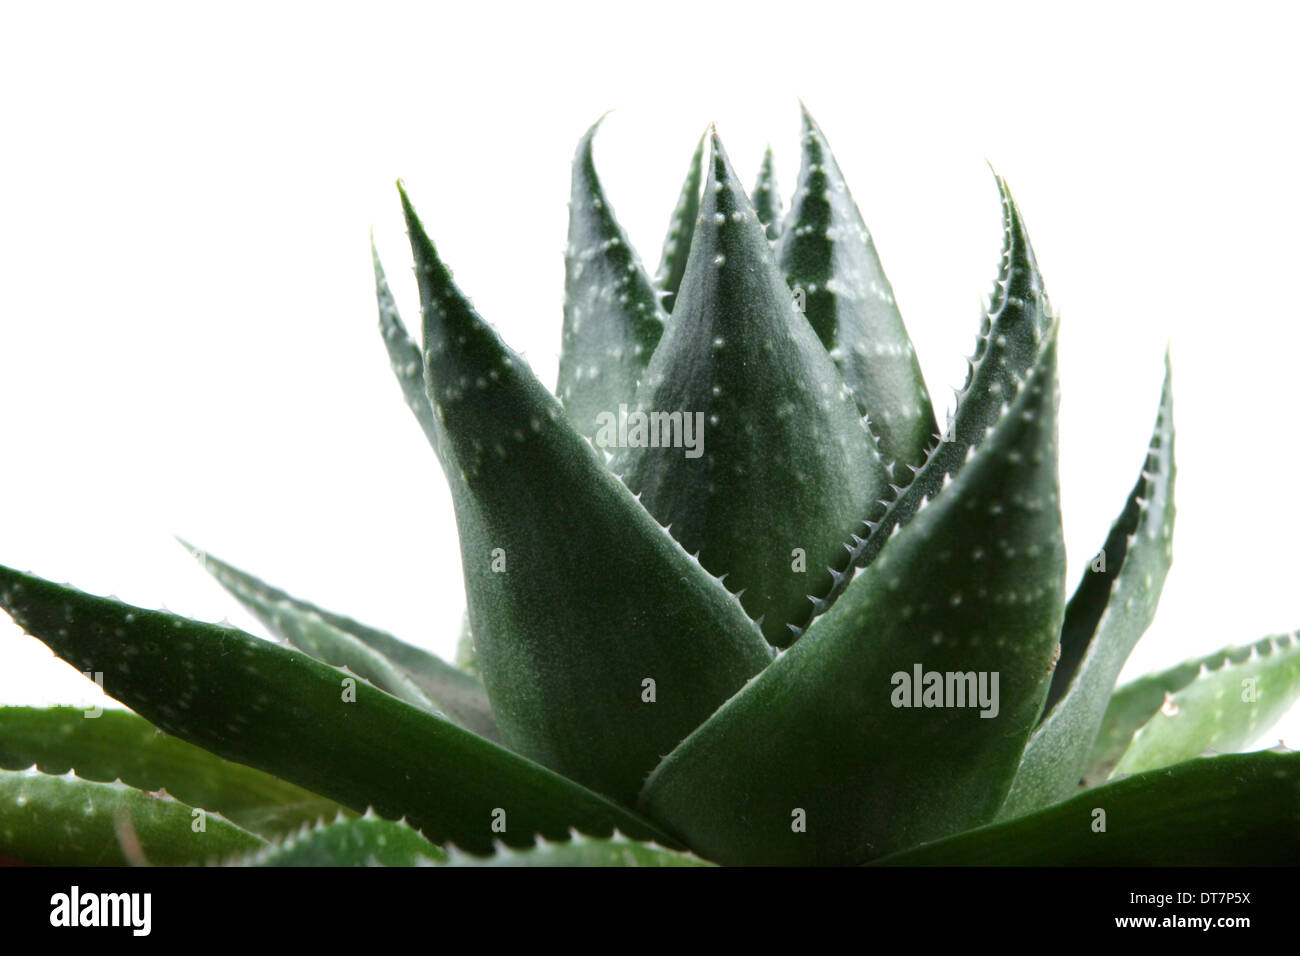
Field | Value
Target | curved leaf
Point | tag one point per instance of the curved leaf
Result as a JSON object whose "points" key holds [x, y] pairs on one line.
{"points": [[327, 644], [576, 596], [1111, 609], [1238, 810], [119, 745], [840, 751], [363, 841], [66, 821], [612, 316], [403, 353], [278, 710], [830, 260], [1235, 696], [677, 246], [1133, 705], [767, 198], [1009, 343], [401, 669], [782, 466], [581, 850]]}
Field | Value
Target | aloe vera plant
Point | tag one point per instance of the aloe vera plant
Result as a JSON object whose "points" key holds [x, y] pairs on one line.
{"points": [[733, 597]]}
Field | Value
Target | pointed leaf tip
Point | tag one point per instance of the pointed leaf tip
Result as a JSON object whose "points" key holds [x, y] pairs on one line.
{"points": [[612, 316], [1013, 331], [1110, 610], [401, 669], [767, 198], [824, 729], [681, 227], [829, 258], [535, 503], [403, 353], [781, 453]]}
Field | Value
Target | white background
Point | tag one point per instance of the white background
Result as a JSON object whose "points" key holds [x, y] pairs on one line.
{"points": [[187, 325]]}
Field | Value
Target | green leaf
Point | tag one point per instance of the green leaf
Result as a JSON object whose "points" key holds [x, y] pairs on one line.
{"points": [[782, 466], [278, 710], [405, 671], [581, 850], [363, 841], [1133, 705], [403, 352], [66, 821], [677, 246], [767, 198], [1111, 609], [835, 729], [118, 745], [576, 596], [1238, 810], [313, 636], [612, 316], [1008, 345], [829, 259], [1226, 706]]}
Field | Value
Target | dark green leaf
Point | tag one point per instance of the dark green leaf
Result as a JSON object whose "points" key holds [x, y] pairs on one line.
{"points": [[1111, 609], [405, 671], [576, 596], [677, 246], [1010, 338], [829, 259], [837, 729], [612, 316], [1238, 810], [118, 745], [66, 821], [782, 468], [278, 710], [313, 636], [767, 198], [363, 841]]}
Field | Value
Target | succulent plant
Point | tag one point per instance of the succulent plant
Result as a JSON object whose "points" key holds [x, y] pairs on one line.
{"points": [[734, 596]]}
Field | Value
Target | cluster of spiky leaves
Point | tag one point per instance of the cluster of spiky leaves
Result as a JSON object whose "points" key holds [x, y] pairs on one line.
{"points": [[681, 653]]}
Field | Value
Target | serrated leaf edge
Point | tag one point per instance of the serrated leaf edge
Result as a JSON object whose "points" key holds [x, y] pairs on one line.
{"points": [[117, 783], [503, 851], [1224, 665]]}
